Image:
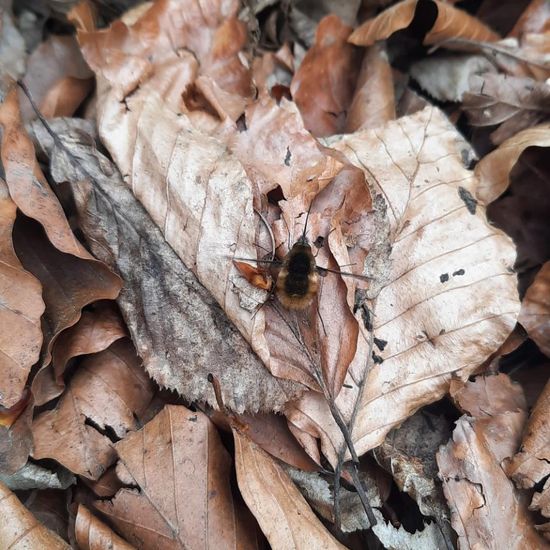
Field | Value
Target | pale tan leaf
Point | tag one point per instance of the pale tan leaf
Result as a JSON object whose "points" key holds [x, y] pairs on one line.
{"points": [[493, 170], [535, 310], [449, 296], [450, 22], [486, 509], [92, 534], [282, 512], [182, 496], [110, 389], [19, 529], [21, 296]]}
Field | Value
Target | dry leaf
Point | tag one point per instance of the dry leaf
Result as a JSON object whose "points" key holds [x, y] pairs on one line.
{"points": [[486, 510], [180, 332], [531, 465], [93, 534], [535, 310], [187, 504], [516, 103], [32, 476], [57, 78], [493, 170], [448, 22], [109, 390], [19, 529], [534, 19], [282, 512], [95, 331], [323, 85], [50, 508], [373, 102], [12, 46], [21, 295], [448, 299]]}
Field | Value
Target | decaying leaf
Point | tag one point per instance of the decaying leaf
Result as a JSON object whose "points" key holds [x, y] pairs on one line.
{"points": [[535, 310], [323, 85], [187, 503], [448, 299], [282, 512], [20, 529], [92, 533], [21, 295], [32, 476], [109, 390], [486, 510], [95, 331], [180, 332], [494, 169], [531, 464], [448, 22]]}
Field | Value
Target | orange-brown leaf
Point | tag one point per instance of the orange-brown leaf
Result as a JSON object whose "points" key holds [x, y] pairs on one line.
{"points": [[92, 534], [254, 275]]}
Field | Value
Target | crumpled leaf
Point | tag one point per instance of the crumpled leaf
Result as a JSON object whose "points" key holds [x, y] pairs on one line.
{"points": [[109, 390], [57, 78], [446, 22], [532, 463], [373, 102], [180, 332], [324, 96], [21, 296], [187, 504], [448, 299], [20, 529], [486, 510], [493, 170], [535, 310], [284, 516], [92, 533], [95, 331], [516, 103]]}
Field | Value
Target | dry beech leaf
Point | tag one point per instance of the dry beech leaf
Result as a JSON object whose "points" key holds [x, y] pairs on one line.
{"points": [[531, 465], [92, 534], [324, 96], [493, 170], [486, 510], [449, 22], [186, 504], [373, 102], [21, 296], [109, 390], [516, 103], [284, 516], [535, 310], [95, 331], [449, 297], [57, 77], [180, 331], [20, 530]]}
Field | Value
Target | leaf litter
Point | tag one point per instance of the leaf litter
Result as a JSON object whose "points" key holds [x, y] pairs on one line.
{"points": [[201, 147]]}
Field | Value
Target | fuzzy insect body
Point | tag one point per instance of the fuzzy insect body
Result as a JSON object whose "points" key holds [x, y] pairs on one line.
{"points": [[298, 281]]}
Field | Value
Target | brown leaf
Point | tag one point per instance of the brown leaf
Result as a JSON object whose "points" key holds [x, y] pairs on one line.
{"points": [[57, 77], [95, 331], [373, 102], [516, 103], [493, 170], [255, 276], [282, 512], [91, 533], [49, 507], [324, 96], [20, 529], [186, 504], [448, 22], [109, 390], [21, 295], [180, 331], [535, 310], [532, 463], [444, 301], [486, 510], [534, 19]]}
